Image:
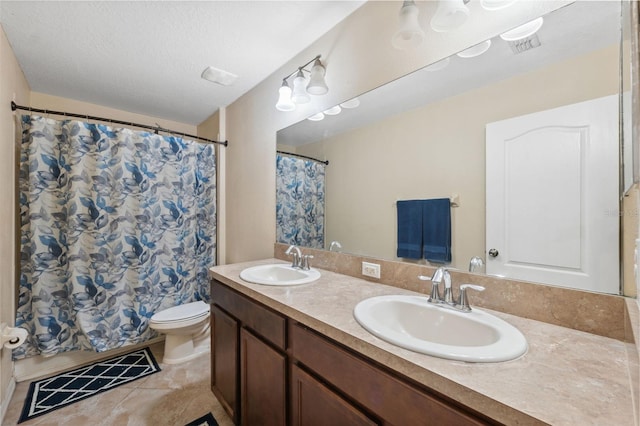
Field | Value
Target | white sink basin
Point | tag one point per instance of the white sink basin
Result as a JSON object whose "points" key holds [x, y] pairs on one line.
{"points": [[413, 323], [278, 274]]}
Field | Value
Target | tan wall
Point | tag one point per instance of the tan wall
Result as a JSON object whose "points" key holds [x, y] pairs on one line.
{"points": [[438, 150], [13, 86], [213, 128], [55, 103], [358, 56]]}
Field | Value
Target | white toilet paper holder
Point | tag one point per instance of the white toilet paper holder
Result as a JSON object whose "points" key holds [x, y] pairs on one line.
{"points": [[11, 337]]}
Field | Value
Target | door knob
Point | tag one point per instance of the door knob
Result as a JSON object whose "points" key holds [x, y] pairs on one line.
{"points": [[493, 253]]}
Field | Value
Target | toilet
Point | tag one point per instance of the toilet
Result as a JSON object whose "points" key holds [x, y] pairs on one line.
{"points": [[187, 331]]}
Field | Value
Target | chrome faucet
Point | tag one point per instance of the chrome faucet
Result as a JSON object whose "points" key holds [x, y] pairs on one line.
{"points": [[335, 244], [447, 301], [297, 256], [299, 261], [475, 264]]}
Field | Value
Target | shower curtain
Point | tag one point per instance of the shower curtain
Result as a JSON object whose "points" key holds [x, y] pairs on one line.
{"points": [[299, 201], [116, 225]]}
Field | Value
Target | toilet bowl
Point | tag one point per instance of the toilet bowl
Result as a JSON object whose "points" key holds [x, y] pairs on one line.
{"points": [[187, 331]]}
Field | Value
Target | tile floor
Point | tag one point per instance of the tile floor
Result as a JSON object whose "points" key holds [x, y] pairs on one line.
{"points": [[175, 396]]}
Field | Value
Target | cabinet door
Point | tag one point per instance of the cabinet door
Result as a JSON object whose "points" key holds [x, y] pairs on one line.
{"points": [[263, 382], [224, 361], [313, 404]]}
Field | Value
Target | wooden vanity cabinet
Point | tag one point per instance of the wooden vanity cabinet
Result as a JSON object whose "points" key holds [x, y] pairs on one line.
{"points": [[271, 370], [249, 363]]}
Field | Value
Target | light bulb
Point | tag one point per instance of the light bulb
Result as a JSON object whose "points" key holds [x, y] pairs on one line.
{"points": [[316, 117], [351, 103], [299, 94], [410, 34], [496, 4], [451, 14], [476, 50], [284, 99], [317, 85], [334, 110], [523, 31]]}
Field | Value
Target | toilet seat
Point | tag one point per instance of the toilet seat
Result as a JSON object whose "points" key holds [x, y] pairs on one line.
{"points": [[181, 313]]}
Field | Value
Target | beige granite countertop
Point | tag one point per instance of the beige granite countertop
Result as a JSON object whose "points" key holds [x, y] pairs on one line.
{"points": [[567, 377]]}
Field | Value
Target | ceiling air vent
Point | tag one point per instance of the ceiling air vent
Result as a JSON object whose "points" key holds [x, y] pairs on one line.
{"points": [[524, 44]]}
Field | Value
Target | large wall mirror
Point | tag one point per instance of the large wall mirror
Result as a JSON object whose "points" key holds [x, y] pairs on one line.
{"points": [[425, 136]]}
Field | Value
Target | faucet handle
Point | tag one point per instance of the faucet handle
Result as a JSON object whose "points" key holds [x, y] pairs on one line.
{"points": [[304, 262], [463, 303], [435, 292]]}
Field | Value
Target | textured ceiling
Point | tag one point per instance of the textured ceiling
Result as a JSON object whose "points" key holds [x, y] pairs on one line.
{"points": [[147, 56]]}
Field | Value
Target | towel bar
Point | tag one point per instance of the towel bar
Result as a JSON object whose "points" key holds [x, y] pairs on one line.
{"points": [[454, 199]]}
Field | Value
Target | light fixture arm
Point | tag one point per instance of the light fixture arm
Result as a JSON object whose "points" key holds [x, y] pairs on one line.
{"points": [[302, 68]]}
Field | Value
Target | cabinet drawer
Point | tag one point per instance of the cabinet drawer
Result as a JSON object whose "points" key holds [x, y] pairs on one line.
{"points": [[258, 318], [395, 401]]}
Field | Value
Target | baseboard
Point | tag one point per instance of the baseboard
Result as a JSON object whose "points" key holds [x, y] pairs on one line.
{"points": [[8, 394], [38, 366]]}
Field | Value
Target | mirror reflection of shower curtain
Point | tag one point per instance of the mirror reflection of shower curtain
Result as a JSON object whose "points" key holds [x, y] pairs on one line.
{"points": [[300, 196], [116, 225]]}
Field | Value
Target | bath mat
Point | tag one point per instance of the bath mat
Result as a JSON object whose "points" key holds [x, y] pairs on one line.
{"points": [[206, 420], [55, 392]]}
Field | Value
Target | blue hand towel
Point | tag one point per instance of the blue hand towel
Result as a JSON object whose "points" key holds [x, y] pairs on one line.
{"points": [[436, 230], [410, 229]]}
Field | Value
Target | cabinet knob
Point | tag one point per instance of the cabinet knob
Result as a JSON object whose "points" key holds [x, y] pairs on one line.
{"points": [[493, 253]]}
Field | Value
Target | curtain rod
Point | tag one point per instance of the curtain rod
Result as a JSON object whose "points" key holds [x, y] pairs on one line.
{"points": [[326, 162], [156, 129]]}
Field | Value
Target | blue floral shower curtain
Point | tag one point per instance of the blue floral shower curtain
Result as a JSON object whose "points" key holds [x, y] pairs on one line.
{"points": [[116, 225], [299, 201]]}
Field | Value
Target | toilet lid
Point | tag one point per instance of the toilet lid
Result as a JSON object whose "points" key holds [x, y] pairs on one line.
{"points": [[182, 312]]}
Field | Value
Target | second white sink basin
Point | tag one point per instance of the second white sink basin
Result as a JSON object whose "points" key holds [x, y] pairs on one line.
{"points": [[411, 322], [278, 274]]}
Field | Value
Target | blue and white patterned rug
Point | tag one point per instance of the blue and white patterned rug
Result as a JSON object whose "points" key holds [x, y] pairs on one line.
{"points": [[55, 392]]}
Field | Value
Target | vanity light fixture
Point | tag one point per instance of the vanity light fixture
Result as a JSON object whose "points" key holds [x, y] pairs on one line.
{"points": [[288, 98], [523, 31], [450, 14], [476, 50], [409, 35]]}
